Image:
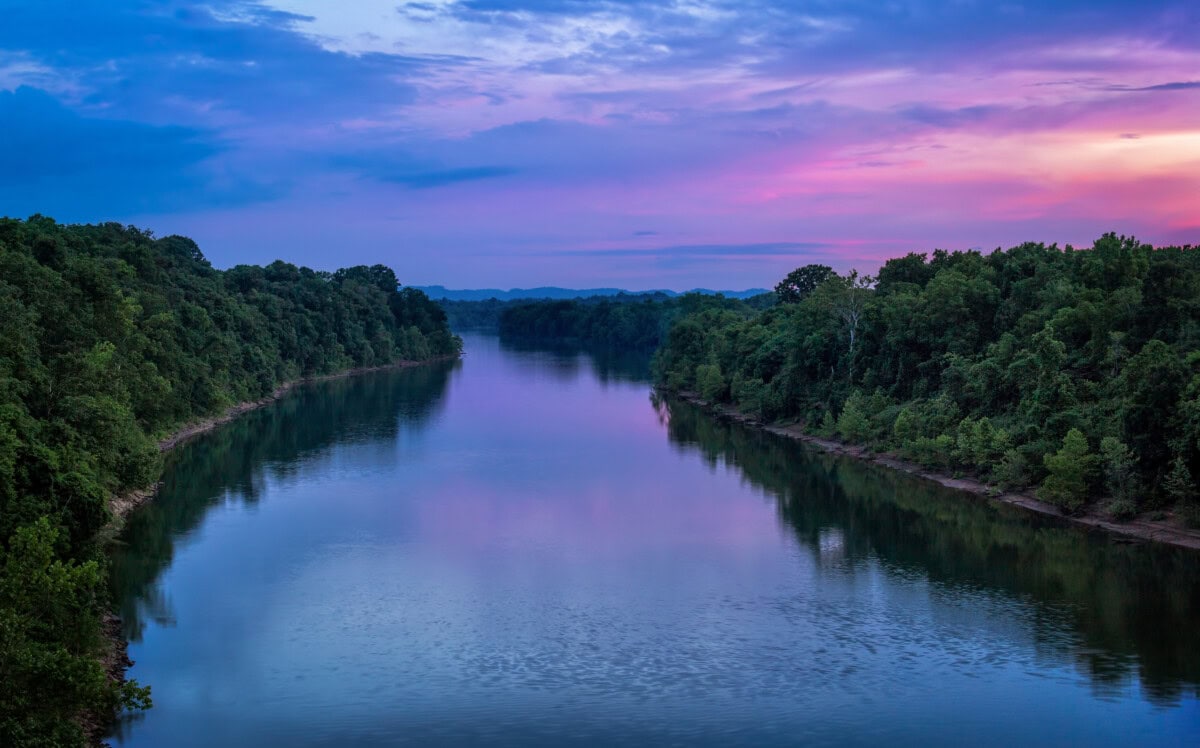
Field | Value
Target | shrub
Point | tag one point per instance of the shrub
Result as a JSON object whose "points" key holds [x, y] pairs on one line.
{"points": [[979, 445], [936, 453], [852, 424], [1012, 471], [1121, 509]]}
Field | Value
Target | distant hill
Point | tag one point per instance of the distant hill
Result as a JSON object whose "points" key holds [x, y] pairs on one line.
{"points": [[553, 292]]}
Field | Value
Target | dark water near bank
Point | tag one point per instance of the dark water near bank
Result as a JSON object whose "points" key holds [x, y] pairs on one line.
{"points": [[523, 549]]}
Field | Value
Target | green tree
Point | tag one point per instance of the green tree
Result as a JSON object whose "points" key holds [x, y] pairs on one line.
{"points": [[801, 282], [852, 423], [1120, 468], [1179, 485], [828, 426], [907, 426], [1068, 470], [846, 300]]}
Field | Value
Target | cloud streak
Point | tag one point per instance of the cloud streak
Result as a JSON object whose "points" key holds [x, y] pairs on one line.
{"points": [[429, 179], [1172, 86], [764, 249]]}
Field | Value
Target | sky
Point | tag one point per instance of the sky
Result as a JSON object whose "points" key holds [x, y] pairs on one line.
{"points": [[715, 143]]}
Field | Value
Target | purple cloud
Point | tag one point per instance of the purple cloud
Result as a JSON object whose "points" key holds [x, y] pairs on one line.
{"points": [[518, 143]]}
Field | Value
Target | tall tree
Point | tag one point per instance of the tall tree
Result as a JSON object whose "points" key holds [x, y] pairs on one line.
{"points": [[801, 282]]}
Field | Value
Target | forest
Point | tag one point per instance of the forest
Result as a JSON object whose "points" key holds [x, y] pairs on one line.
{"points": [[1071, 372], [113, 338], [625, 322]]}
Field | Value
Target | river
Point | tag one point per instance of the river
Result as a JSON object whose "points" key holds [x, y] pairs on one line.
{"points": [[526, 548]]}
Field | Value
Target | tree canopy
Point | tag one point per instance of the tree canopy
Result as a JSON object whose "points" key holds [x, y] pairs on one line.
{"points": [[801, 282], [1074, 370]]}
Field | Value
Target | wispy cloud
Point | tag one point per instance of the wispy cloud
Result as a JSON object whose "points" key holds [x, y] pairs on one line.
{"points": [[1172, 86], [428, 179]]}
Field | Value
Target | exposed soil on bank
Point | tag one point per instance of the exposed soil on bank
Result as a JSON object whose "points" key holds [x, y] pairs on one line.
{"points": [[116, 660], [1169, 531]]}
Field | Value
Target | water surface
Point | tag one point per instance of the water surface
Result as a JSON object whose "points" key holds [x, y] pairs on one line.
{"points": [[525, 548]]}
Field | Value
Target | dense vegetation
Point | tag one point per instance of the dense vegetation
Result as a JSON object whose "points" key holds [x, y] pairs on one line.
{"points": [[110, 339], [1075, 371], [480, 316], [625, 322]]}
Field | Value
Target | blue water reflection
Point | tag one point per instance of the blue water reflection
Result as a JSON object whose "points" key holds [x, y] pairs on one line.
{"points": [[524, 549]]}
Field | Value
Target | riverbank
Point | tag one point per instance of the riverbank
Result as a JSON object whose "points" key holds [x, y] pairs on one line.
{"points": [[1139, 528], [121, 506], [116, 659]]}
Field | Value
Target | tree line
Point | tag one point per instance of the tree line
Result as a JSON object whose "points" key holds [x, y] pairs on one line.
{"points": [[1075, 372], [627, 322], [111, 339]]}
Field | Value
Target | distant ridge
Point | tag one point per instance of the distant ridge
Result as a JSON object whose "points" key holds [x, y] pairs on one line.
{"points": [[438, 293]]}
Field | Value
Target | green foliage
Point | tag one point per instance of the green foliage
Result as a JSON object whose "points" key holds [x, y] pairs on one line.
{"points": [[828, 425], [852, 424], [709, 382], [1012, 472], [907, 427], [748, 391], [881, 413], [801, 282], [112, 338], [50, 644], [979, 446], [1121, 509], [927, 418], [625, 321], [1068, 472], [935, 453], [1002, 354], [1120, 470], [1179, 485]]}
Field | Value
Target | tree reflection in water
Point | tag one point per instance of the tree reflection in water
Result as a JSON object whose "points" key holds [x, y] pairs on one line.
{"points": [[1132, 608], [232, 462]]}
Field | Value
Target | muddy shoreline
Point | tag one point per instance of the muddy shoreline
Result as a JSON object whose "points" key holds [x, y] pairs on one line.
{"points": [[116, 659], [1139, 528]]}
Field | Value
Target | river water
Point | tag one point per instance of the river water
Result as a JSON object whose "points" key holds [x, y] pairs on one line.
{"points": [[525, 548]]}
